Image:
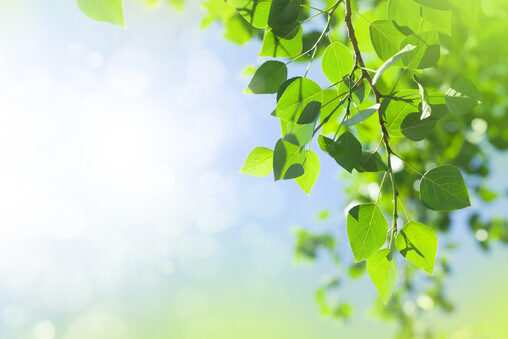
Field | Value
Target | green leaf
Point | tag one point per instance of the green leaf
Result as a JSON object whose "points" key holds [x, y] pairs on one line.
{"points": [[443, 189], [366, 230], [259, 162], [439, 20], [274, 46], [462, 97], [296, 97], [426, 109], [443, 5], [283, 17], [371, 161], [405, 12], [427, 51], [385, 38], [284, 86], [254, 11], [382, 270], [237, 30], [357, 269], [297, 134], [415, 128], [405, 50], [395, 111], [309, 178], [288, 160], [103, 10], [346, 150], [418, 244], [337, 62], [268, 78], [310, 113], [361, 116]]}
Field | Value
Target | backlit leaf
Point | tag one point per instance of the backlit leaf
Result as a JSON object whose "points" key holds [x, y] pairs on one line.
{"points": [[382, 270], [337, 62], [296, 97], [418, 244], [346, 150], [268, 78], [259, 162], [103, 10], [462, 97], [288, 160], [366, 230], [309, 178], [274, 46], [443, 189]]}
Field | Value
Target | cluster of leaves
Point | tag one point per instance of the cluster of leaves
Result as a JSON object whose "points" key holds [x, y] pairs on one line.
{"points": [[404, 62], [410, 42]]}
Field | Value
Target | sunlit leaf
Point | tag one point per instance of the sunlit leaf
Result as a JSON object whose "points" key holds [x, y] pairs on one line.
{"points": [[288, 160], [309, 178], [382, 270], [385, 38], [259, 162], [392, 60], [274, 46], [103, 10], [366, 230], [346, 150], [426, 53], [337, 62], [361, 116], [254, 11], [296, 97], [418, 244]]}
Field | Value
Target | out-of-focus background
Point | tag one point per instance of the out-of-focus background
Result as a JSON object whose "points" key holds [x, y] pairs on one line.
{"points": [[122, 213]]}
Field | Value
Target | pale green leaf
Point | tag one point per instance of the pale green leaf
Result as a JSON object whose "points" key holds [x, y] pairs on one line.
{"points": [[259, 162], [309, 177], [382, 270], [426, 53], [385, 38], [103, 10], [337, 62], [254, 11]]}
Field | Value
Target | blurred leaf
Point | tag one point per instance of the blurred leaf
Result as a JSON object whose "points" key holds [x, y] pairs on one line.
{"points": [[462, 97]]}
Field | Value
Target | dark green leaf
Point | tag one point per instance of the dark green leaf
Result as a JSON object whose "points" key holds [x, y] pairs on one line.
{"points": [[310, 113], [417, 129], [268, 78], [443, 189], [346, 150], [371, 161], [283, 17]]}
